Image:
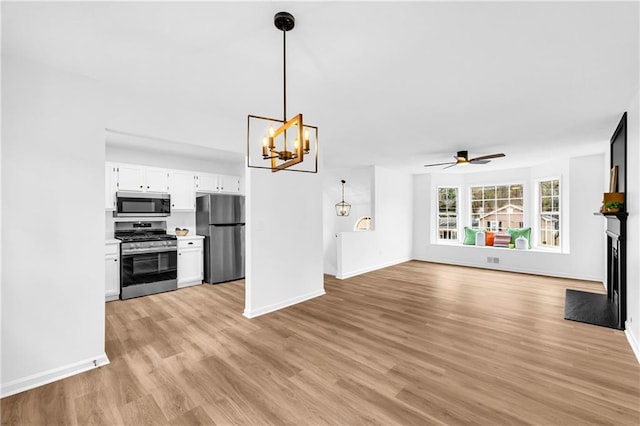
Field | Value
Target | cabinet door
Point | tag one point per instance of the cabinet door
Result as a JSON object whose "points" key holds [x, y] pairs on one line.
{"points": [[189, 267], [183, 191], [110, 186], [207, 182], [112, 278], [157, 180], [228, 183], [130, 178]]}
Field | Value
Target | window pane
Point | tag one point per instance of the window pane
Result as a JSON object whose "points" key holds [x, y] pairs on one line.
{"points": [[545, 188], [489, 192], [549, 214], [476, 193], [516, 191], [501, 207], [447, 213], [502, 192]]}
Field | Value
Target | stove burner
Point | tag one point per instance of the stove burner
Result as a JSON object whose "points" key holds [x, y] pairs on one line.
{"points": [[145, 237]]}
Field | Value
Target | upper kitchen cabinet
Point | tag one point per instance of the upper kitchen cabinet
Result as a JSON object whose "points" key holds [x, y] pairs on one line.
{"points": [[209, 182], [131, 178], [157, 180], [229, 183], [110, 185], [136, 178], [183, 191]]}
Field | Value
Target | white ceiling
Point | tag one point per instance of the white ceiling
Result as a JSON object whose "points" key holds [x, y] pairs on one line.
{"points": [[388, 83]]}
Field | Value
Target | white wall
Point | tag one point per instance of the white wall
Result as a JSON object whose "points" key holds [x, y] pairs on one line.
{"points": [[53, 228], [358, 193], [633, 226], [284, 240], [581, 185], [390, 242], [173, 161]]}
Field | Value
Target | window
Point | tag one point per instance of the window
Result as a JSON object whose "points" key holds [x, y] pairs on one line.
{"points": [[549, 213], [448, 214], [497, 207], [363, 224]]}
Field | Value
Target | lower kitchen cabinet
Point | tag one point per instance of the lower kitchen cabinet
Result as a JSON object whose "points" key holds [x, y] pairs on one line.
{"points": [[112, 271], [190, 261]]}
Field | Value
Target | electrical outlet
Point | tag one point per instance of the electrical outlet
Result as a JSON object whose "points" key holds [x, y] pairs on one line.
{"points": [[489, 259], [496, 260]]}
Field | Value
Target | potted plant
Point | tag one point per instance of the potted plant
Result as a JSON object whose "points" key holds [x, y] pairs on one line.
{"points": [[613, 206]]}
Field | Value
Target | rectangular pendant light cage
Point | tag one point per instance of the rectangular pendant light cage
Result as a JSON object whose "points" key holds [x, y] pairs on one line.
{"points": [[343, 209], [258, 129]]}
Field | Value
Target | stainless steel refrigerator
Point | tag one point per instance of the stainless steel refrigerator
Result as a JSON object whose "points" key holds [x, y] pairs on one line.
{"points": [[220, 218]]}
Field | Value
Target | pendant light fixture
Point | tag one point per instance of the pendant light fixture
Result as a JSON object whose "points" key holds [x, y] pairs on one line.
{"points": [[282, 143], [342, 208]]}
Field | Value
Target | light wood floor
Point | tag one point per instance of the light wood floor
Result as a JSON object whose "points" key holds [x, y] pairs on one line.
{"points": [[417, 343]]}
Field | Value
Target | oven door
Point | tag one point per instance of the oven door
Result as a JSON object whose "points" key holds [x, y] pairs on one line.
{"points": [[149, 271], [142, 205]]}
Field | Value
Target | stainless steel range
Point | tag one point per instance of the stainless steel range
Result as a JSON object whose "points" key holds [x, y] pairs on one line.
{"points": [[149, 258]]}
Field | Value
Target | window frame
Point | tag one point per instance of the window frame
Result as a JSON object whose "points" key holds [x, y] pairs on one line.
{"points": [[458, 213], [525, 205], [538, 212]]}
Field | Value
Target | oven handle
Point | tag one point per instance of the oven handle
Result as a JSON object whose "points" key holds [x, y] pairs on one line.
{"points": [[126, 252]]}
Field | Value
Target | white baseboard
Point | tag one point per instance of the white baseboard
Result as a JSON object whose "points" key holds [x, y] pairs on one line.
{"points": [[633, 342], [346, 275], [285, 303], [518, 270], [39, 379]]}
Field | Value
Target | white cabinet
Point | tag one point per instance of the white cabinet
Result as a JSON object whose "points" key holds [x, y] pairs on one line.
{"points": [[110, 185], [132, 177], [228, 183], [209, 182], [190, 261], [206, 182], [156, 180], [183, 191], [112, 271]]}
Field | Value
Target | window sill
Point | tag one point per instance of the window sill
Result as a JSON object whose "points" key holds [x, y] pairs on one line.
{"points": [[531, 250]]}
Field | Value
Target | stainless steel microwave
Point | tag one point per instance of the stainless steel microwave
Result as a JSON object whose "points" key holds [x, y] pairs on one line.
{"points": [[133, 204]]}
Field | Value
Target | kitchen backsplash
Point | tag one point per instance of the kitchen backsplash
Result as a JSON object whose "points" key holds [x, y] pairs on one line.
{"points": [[176, 220]]}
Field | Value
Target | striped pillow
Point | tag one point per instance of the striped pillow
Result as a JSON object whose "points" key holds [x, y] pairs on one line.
{"points": [[501, 240]]}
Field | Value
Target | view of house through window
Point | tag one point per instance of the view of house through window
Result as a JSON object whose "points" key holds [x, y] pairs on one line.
{"points": [[497, 207], [549, 213], [448, 213]]}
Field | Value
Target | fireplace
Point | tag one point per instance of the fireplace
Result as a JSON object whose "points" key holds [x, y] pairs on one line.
{"points": [[608, 310]]}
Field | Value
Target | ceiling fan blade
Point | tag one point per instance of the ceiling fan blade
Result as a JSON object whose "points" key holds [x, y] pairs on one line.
{"points": [[439, 164], [444, 168], [486, 157], [479, 161]]}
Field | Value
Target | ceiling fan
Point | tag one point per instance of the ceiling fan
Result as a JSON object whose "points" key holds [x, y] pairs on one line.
{"points": [[462, 159]]}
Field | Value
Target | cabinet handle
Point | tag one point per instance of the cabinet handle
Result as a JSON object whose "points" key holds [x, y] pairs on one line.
{"points": [[190, 242], [115, 260], [140, 186], [179, 254], [147, 186], [173, 205]]}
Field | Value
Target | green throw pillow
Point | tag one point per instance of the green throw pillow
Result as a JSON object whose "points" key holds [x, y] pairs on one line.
{"points": [[470, 235], [520, 232]]}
